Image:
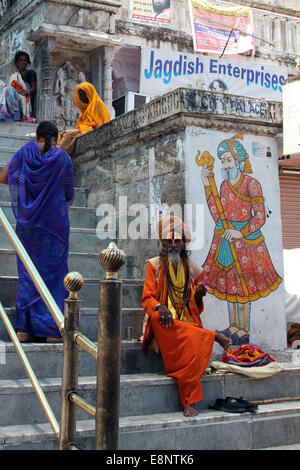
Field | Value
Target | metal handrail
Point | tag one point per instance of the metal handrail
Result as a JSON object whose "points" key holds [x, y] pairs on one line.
{"points": [[33, 379], [105, 413], [43, 290], [56, 313]]}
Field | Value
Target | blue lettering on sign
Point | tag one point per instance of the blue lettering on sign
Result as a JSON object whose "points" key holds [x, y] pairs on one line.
{"points": [[166, 69]]}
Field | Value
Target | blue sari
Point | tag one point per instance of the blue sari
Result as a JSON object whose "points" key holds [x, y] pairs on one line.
{"points": [[10, 105], [41, 189]]}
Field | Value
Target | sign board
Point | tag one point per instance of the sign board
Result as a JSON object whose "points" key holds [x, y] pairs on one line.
{"points": [[163, 71], [219, 27], [152, 12]]}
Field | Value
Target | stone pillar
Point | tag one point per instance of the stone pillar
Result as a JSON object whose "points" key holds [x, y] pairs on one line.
{"points": [[44, 46], [297, 40], [278, 36], [289, 47], [107, 90], [267, 32]]}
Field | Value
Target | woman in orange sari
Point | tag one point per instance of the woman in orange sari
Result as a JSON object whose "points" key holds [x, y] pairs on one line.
{"points": [[94, 113]]}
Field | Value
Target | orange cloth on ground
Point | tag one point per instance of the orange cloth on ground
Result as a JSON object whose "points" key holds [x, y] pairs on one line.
{"points": [[185, 347], [93, 114]]}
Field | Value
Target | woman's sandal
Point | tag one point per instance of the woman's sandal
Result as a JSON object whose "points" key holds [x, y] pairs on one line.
{"points": [[25, 337]]}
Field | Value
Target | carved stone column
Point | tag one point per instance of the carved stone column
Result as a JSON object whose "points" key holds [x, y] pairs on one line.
{"points": [[278, 35], [44, 46], [107, 90]]}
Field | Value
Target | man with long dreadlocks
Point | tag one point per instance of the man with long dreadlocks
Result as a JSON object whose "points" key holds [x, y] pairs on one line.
{"points": [[172, 298]]}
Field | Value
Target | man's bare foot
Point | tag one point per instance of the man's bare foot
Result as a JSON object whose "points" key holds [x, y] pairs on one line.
{"points": [[223, 340], [189, 410]]}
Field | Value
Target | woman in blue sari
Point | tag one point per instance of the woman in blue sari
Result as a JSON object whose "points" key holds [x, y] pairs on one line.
{"points": [[40, 179]]}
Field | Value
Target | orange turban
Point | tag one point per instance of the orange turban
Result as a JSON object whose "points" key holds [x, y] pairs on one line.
{"points": [[95, 113], [171, 226]]}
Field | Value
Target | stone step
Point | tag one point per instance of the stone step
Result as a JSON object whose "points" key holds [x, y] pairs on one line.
{"points": [[89, 294], [272, 425], [86, 264], [46, 360], [79, 201], [81, 240], [22, 129], [80, 217], [131, 318], [140, 394]]}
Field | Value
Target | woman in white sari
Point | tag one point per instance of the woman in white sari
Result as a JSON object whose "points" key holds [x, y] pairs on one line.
{"points": [[18, 98]]}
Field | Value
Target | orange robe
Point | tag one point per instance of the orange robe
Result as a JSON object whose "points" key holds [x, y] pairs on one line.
{"points": [[185, 347]]}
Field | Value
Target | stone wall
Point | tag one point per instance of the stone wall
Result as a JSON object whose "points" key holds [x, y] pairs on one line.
{"points": [[139, 156]]}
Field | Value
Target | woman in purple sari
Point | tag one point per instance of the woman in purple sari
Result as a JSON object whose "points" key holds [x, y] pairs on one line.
{"points": [[40, 179]]}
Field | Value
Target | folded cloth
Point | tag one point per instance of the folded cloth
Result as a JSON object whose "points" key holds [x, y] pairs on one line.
{"points": [[260, 372], [247, 356]]}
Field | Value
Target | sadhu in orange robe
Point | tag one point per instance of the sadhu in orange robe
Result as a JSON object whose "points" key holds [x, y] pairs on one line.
{"points": [[185, 346]]}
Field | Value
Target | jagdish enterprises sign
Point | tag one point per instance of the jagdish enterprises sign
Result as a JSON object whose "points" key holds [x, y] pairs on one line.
{"points": [[162, 71]]}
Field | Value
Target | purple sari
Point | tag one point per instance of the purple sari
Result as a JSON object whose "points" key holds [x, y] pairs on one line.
{"points": [[41, 188]]}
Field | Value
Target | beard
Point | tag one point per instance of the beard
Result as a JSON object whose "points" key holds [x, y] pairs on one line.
{"points": [[231, 174], [174, 257]]}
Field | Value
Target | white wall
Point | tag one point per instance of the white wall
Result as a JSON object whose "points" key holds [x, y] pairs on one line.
{"points": [[268, 325]]}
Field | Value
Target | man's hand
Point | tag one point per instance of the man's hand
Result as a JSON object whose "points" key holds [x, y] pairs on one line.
{"points": [[231, 234], [204, 176], [165, 316], [200, 292]]}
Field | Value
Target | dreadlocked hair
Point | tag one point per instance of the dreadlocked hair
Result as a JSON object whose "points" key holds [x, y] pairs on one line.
{"points": [[48, 130]]}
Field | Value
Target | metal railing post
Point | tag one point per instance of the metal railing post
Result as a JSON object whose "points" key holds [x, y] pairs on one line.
{"points": [[109, 350], [73, 283]]}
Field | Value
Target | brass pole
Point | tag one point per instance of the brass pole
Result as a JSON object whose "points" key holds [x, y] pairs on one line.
{"points": [[109, 351], [32, 377], [82, 403], [73, 282], [85, 343], [33, 272]]}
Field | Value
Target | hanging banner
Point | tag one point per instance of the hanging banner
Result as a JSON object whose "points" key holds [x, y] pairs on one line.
{"points": [[219, 27], [152, 12], [163, 71], [291, 118]]}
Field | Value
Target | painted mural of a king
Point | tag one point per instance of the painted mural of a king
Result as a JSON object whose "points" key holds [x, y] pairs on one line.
{"points": [[238, 267]]}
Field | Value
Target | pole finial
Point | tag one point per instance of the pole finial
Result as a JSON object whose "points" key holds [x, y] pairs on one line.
{"points": [[73, 282], [111, 259]]}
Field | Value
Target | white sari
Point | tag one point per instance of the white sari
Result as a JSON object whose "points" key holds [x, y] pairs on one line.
{"points": [[26, 106]]}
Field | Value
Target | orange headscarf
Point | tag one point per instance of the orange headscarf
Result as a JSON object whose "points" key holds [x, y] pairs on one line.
{"points": [[95, 113]]}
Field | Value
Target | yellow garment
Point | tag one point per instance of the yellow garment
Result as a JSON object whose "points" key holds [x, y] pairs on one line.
{"points": [[178, 280], [93, 114]]}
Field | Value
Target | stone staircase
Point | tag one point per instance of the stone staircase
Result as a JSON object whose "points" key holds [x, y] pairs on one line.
{"points": [[150, 412]]}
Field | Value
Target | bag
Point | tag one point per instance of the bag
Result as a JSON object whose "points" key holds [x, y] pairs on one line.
{"points": [[247, 356], [67, 140]]}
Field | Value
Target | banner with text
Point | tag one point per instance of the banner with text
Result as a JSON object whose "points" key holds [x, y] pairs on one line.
{"points": [[218, 27], [163, 71], [152, 12]]}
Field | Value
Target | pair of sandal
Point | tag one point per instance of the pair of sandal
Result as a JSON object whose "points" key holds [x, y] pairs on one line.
{"points": [[25, 337], [234, 405]]}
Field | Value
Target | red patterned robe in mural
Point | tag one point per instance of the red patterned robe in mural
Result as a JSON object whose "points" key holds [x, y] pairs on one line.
{"points": [[241, 271]]}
